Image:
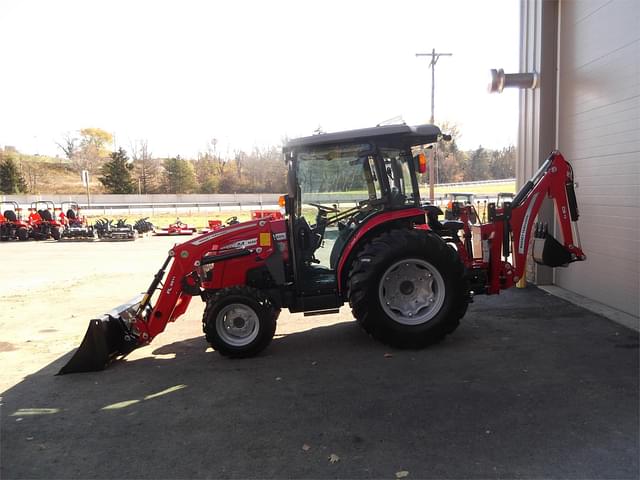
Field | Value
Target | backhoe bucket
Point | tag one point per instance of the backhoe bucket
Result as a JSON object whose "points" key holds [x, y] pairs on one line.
{"points": [[550, 252], [107, 338]]}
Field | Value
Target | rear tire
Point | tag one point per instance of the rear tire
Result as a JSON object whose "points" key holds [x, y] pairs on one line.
{"points": [[239, 322], [407, 288]]}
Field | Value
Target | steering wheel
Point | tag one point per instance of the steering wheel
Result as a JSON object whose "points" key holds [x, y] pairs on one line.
{"points": [[231, 220], [324, 209]]}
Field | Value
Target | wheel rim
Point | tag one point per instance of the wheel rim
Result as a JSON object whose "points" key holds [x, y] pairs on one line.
{"points": [[411, 291], [237, 324]]}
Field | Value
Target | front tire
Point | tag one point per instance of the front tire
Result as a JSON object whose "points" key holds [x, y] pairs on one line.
{"points": [[23, 234], [239, 322], [55, 233], [407, 288]]}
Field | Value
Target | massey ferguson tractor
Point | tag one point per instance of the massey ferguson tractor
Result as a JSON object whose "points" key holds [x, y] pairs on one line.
{"points": [[407, 276]]}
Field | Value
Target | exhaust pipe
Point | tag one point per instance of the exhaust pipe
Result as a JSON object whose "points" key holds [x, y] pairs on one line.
{"points": [[107, 338]]}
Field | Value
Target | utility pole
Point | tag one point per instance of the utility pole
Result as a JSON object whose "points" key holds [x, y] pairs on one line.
{"points": [[432, 64]]}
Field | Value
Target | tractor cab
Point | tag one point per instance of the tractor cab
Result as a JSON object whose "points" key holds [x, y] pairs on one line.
{"points": [[342, 189]]}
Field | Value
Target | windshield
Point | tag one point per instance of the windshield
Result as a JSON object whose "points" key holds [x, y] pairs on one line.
{"points": [[341, 176]]}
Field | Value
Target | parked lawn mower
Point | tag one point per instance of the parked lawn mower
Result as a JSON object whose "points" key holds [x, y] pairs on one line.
{"points": [[121, 231], [143, 226], [75, 225], [408, 284], [176, 228], [44, 220], [12, 227], [266, 214], [212, 226]]}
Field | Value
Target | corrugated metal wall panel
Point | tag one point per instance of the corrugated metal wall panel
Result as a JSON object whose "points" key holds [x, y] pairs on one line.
{"points": [[599, 133]]}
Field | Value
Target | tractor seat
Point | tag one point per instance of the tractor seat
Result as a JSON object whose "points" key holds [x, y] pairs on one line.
{"points": [[10, 215], [71, 215], [307, 239], [346, 230], [453, 225], [45, 215]]}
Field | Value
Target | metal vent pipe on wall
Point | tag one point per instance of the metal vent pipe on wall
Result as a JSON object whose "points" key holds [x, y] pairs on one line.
{"points": [[501, 80]]}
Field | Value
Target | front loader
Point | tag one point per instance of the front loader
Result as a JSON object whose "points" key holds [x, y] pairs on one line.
{"points": [[407, 276]]}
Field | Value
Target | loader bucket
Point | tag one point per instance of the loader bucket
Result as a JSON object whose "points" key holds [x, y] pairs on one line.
{"points": [[106, 339]]}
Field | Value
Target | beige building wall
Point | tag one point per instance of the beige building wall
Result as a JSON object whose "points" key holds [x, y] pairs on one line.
{"points": [[599, 133], [595, 79]]}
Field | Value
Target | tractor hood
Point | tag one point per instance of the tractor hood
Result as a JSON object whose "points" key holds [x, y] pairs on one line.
{"points": [[241, 235]]}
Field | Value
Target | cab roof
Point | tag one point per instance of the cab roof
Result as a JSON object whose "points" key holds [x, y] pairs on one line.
{"points": [[386, 135]]}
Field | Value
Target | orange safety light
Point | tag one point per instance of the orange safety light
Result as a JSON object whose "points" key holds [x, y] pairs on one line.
{"points": [[282, 201], [422, 162]]}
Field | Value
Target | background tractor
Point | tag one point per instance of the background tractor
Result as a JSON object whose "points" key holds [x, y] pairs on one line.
{"points": [[408, 282], [12, 226]]}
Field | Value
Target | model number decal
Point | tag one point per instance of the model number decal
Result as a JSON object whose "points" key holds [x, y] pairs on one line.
{"points": [[171, 283], [242, 244], [221, 232], [524, 231]]}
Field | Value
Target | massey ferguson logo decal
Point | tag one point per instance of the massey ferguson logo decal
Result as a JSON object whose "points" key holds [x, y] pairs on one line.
{"points": [[524, 231]]}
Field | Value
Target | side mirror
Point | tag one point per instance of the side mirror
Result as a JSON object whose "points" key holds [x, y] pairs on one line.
{"points": [[420, 162]]}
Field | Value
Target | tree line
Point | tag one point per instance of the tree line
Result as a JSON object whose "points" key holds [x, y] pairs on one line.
{"points": [[262, 170]]}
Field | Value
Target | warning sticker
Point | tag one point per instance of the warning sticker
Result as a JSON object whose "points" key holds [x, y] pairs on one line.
{"points": [[265, 239]]}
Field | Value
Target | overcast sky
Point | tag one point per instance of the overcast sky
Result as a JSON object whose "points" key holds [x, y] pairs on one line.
{"points": [[249, 72]]}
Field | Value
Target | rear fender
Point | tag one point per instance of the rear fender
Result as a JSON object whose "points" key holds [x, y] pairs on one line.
{"points": [[380, 222]]}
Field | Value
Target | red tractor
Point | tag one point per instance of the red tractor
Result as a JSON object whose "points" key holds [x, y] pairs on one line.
{"points": [[408, 283], [44, 221], [12, 226]]}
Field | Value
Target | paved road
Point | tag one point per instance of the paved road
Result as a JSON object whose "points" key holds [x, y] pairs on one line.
{"points": [[529, 386]]}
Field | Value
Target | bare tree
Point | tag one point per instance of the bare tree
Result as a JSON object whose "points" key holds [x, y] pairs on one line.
{"points": [[69, 145], [146, 167]]}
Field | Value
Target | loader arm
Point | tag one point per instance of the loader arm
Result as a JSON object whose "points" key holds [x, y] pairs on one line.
{"points": [[238, 248]]}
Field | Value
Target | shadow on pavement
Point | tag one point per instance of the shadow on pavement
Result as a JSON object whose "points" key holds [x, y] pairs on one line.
{"points": [[529, 386]]}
